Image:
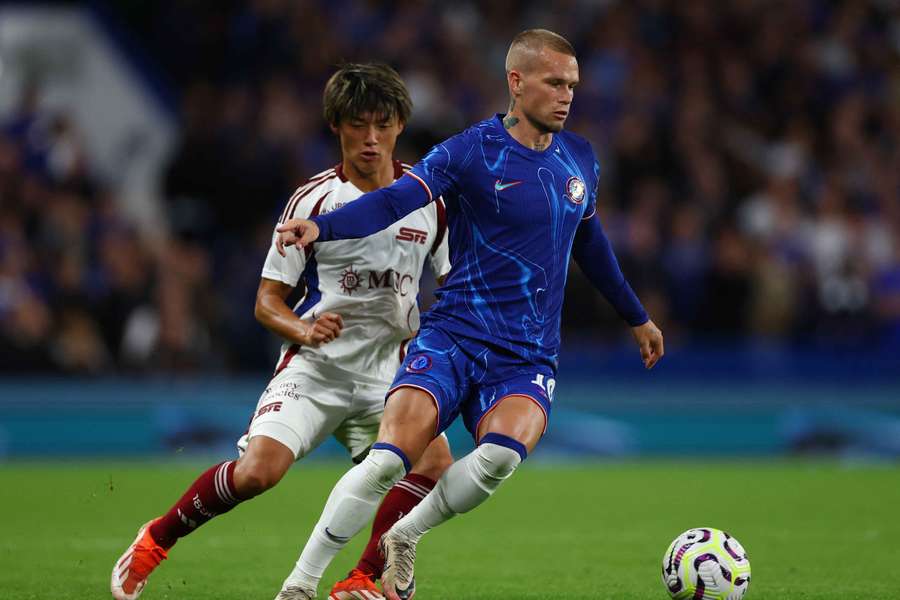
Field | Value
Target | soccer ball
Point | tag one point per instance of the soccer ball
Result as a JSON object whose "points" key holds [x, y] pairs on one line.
{"points": [[705, 563]]}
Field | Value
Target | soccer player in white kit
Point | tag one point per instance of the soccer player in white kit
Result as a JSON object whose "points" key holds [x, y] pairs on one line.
{"points": [[343, 343]]}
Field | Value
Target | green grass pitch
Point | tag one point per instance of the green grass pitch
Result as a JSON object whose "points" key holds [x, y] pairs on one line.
{"points": [[813, 530]]}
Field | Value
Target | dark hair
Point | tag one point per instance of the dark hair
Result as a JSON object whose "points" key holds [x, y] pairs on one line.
{"points": [[374, 88]]}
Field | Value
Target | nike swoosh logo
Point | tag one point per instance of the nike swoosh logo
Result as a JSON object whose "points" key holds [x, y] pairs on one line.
{"points": [[337, 539], [502, 186]]}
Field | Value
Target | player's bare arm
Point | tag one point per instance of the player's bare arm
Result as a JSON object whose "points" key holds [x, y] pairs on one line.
{"points": [[649, 339], [275, 315]]}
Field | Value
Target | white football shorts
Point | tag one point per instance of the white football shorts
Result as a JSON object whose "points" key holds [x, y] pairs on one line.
{"points": [[302, 406]]}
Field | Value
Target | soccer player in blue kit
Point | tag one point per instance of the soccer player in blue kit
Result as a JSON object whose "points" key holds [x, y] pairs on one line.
{"points": [[521, 198]]}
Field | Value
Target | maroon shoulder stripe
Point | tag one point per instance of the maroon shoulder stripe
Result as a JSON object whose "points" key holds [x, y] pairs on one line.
{"points": [[441, 224], [307, 252], [299, 199], [309, 184], [303, 186]]}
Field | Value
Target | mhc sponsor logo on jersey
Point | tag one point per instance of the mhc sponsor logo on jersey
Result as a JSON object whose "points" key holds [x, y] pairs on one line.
{"points": [[388, 279]]}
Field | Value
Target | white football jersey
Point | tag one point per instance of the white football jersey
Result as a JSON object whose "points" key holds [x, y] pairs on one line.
{"points": [[372, 282]]}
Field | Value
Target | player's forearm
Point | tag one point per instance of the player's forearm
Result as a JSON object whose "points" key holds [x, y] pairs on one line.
{"points": [[274, 314], [372, 212], [594, 254]]}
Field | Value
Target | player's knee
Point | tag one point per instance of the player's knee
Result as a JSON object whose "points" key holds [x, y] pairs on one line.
{"points": [[385, 465], [433, 467], [252, 478], [498, 456], [435, 461]]}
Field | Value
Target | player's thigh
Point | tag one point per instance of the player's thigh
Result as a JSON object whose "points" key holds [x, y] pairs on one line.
{"points": [[359, 431], [409, 422], [517, 417], [427, 392], [518, 407], [298, 410]]}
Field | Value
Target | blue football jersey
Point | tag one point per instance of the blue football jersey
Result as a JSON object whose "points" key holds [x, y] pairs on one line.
{"points": [[512, 214], [513, 217]]}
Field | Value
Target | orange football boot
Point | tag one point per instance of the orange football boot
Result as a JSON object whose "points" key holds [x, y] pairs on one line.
{"points": [[129, 574], [357, 586]]}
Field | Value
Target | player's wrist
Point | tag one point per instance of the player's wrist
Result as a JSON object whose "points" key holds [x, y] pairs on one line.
{"points": [[302, 333], [322, 231], [639, 321]]}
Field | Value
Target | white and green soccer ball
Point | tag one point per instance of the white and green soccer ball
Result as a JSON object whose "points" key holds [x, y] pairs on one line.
{"points": [[706, 564]]}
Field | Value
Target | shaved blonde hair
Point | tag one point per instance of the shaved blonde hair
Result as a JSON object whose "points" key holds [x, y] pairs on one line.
{"points": [[527, 45]]}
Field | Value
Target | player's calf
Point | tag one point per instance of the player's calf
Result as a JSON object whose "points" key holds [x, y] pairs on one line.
{"points": [[215, 492], [469, 482], [402, 498], [466, 484], [349, 507]]}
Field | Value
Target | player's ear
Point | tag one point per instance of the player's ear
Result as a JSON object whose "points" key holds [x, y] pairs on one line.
{"points": [[334, 128], [400, 127], [515, 82]]}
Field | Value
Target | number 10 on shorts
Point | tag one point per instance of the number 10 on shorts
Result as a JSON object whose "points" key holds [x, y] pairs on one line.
{"points": [[549, 387]]}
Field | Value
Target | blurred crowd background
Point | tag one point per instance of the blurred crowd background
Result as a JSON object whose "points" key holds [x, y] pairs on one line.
{"points": [[750, 155]]}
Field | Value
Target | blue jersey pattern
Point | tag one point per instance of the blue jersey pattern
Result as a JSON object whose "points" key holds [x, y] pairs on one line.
{"points": [[512, 216]]}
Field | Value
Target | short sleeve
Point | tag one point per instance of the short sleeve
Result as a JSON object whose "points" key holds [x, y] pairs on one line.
{"points": [[439, 170], [302, 204], [286, 269]]}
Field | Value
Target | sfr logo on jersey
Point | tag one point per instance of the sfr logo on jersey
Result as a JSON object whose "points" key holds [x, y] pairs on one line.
{"points": [[270, 407], [408, 234]]}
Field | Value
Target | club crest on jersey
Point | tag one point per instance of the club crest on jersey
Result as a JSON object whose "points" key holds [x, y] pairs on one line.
{"points": [[575, 190], [419, 364], [349, 280]]}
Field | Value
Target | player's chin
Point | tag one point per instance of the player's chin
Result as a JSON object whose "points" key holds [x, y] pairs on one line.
{"points": [[555, 124]]}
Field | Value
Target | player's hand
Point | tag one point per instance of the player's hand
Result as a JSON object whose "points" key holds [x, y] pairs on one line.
{"points": [[296, 232], [322, 329], [650, 340]]}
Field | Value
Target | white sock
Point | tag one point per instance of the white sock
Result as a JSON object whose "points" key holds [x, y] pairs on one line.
{"points": [[466, 484], [349, 508]]}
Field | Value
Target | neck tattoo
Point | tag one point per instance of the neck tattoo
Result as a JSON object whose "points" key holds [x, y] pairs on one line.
{"points": [[510, 121]]}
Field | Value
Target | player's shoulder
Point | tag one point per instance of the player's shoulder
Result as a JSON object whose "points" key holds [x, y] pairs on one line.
{"points": [[437, 208], [305, 197], [581, 146], [472, 133], [326, 175], [582, 152], [322, 180]]}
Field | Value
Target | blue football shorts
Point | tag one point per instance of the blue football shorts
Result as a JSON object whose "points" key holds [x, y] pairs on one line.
{"points": [[469, 377]]}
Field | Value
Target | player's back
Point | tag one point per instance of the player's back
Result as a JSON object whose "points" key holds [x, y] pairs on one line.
{"points": [[512, 216]]}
